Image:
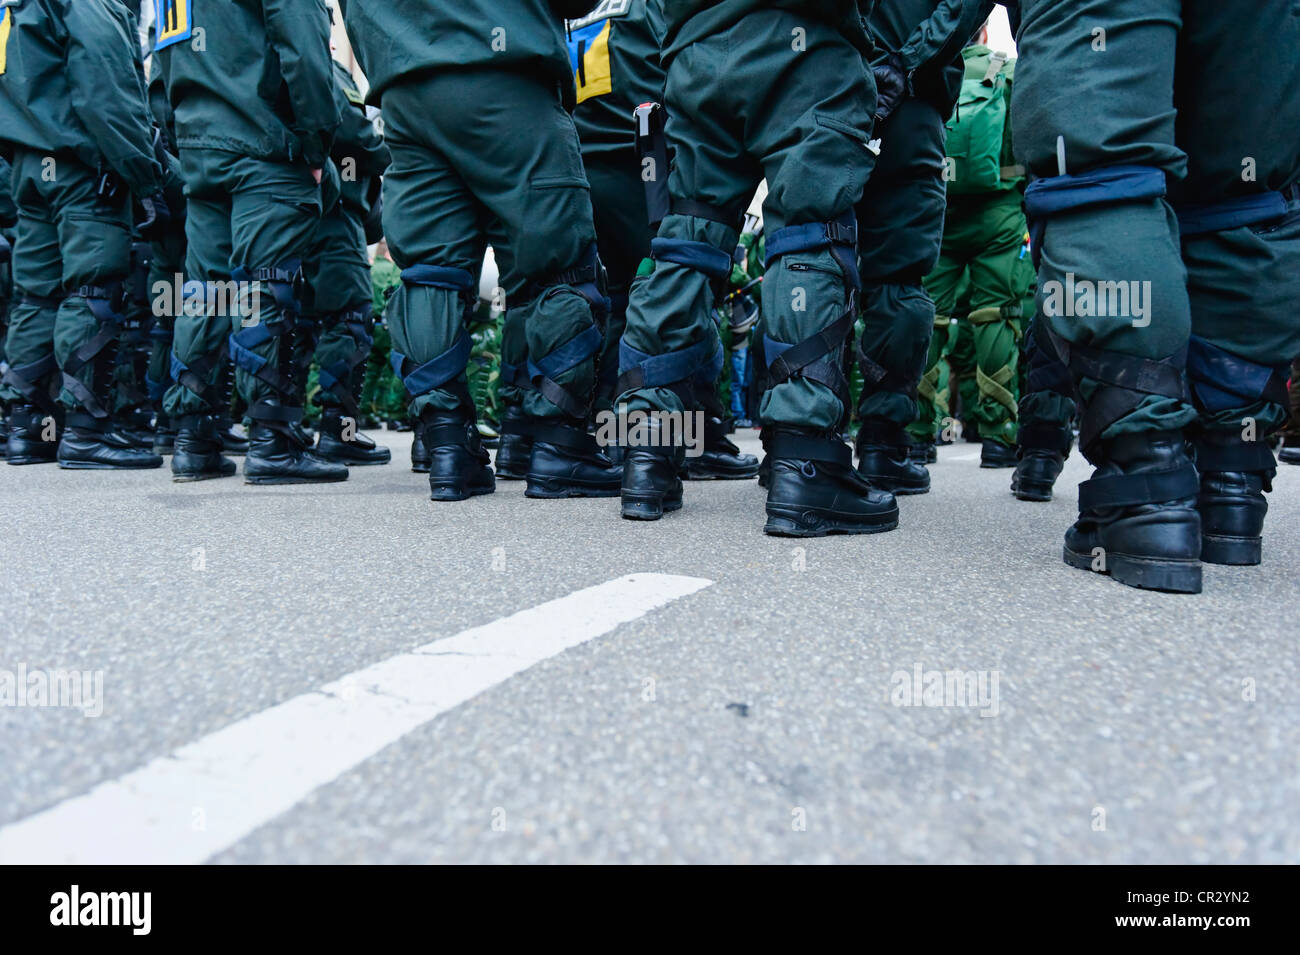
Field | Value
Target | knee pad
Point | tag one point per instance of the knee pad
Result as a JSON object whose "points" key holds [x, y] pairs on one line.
{"points": [[442, 371], [1222, 381]]}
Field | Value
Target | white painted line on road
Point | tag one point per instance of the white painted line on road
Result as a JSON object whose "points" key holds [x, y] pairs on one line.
{"points": [[962, 457], [206, 796]]}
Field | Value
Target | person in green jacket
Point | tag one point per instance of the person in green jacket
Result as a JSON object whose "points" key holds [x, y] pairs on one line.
{"points": [[476, 98], [338, 293], [252, 88], [1164, 204], [74, 121], [777, 90], [984, 240], [615, 54]]}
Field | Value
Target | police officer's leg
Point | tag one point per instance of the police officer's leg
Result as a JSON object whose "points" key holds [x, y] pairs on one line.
{"points": [[32, 380], [166, 272], [813, 142], [1046, 410], [523, 163], [275, 210], [996, 236], [1240, 233], [1103, 230], [1290, 453], [132, 408], [95, 243], [942, 285], [900, 227], [338, 275], [435, 229]]}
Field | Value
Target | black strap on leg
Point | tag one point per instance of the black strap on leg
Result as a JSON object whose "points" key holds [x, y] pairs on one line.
{"points": [[26, 380], [337, 378], [819, 358], [804, 444], [587, 278], [1219, 450], [1142, 487], [107, 304]]}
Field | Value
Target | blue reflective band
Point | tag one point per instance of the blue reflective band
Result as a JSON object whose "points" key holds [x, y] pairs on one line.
{"points": [[1222, 380], [244, 341], [708, 372], [699, 256], [569, 355], [840, 236], [435, 372], [437, 276], [670, 367], [1202, 218], [1108, 185]]}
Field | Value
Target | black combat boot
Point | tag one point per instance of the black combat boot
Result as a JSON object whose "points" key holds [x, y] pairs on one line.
{"points": [[93, 444], [232, 440], [277, 454], [419, 453], [922, 452], [720, 459], [815, 491], [339, 441], [1041, 450], [884, 458], [1137, 515], [196, 450], [995, 454], [652, 484], [1234, 476], [26, 429], [458, 466], [515, 448], [567, 462]]}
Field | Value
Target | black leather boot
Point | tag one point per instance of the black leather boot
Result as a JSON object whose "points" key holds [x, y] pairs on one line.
{"points": [[196, 452], [458, 466], [278, 455], [340, 442], [652, 484], [419, 453], [164, 434], [885, 461], [720, 459], [92, 444], [922, 452], [1041, 450], [515, 449], [26, 429], [567, 462], [1234, 476], [995, 454], [1137, 515], [815, 491], [232, 441], [1290, 453]]}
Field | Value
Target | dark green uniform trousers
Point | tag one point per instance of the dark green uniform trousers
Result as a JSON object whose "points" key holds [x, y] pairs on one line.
{"points": [[900, 222], [743, 105], [259, 217], [1165, 85], [983, 243], [470, 148], [70, 239], [337, 303]]}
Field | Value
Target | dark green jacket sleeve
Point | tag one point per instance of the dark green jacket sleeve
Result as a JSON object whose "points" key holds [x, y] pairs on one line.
{"points": [[108, 91], [940, 38], [299, 31]]}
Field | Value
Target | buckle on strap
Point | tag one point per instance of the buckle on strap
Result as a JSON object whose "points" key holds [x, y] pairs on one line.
{"points": [[1144, 487]]}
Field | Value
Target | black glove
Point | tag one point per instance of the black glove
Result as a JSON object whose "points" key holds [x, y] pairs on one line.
{"points": [[891, 87], [155, 216]]}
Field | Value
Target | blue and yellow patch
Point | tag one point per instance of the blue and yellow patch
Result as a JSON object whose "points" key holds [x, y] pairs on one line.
{"points": [[589, 55], [6, 21], [172, 21]]}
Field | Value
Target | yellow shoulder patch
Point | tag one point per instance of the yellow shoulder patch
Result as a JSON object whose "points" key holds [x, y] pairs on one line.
{"points": [[593, 75], [6, 21]]}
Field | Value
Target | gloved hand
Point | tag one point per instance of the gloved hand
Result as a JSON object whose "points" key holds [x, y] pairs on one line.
{"points": [[891, 87], [155, 216]]}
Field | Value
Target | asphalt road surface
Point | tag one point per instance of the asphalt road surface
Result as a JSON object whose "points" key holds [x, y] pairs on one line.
{"points": [[352, 673]]}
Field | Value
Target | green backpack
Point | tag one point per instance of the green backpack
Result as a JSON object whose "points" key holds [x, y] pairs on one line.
{"points": [[975, 132]]}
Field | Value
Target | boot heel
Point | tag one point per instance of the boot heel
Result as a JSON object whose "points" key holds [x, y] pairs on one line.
{"points": [[1179, 577], [1232, 551]]}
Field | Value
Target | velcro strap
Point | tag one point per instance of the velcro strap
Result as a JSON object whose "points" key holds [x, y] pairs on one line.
{"points": [[794, 358], [1109, 185], [438, 276], [1202, 218], [643, 370], [1127, 371], [1226, 451], [562, 435], [699, 256], [802, 446], [1143, 487], [435, 372], [568, 356], [704, 210], [1044, 437], [39, 301], [515, 375], [1222, 381], [273, 413]]}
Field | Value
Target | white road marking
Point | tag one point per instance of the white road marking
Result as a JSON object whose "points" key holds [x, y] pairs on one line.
{"points": [[204, 797], [962, 457]]}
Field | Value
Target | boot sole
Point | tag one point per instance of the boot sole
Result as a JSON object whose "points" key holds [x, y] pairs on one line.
{"points": [[783, 522], [1170, 576], [1031, 491], [555, 490], [511, 475], [1232, 551], [294, 480], [445, 493], [650, 508], [997, 467], [93, 466], [708, 474], [355, 462], [884, 484], [21, 462], [204, 476]]}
